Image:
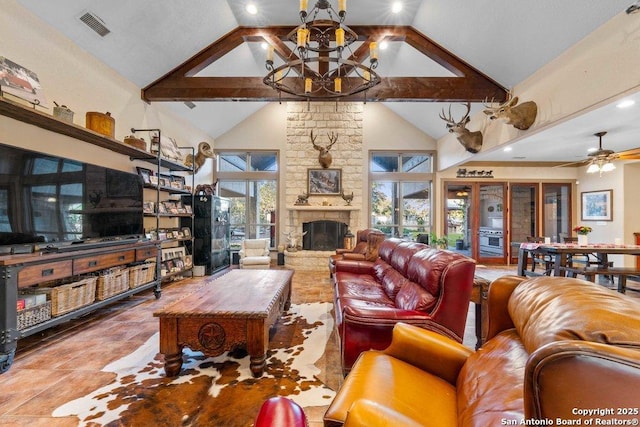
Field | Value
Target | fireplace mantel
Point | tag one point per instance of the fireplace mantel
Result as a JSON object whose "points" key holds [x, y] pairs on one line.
{"points": [[322, 208], [299, 214]]}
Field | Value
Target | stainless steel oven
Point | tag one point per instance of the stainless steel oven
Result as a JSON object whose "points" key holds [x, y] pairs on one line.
{"points": [[490, 241]]}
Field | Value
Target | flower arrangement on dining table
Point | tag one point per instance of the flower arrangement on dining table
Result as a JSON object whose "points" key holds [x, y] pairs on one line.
{"points": [[583, 229]]}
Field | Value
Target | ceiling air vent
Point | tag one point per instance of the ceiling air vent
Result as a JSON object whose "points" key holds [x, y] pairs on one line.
{"points": [[95, 23], [190, 104]]}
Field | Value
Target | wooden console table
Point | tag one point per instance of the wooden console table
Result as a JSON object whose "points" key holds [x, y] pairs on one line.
{"points": [[22, 271], [235, 309]]}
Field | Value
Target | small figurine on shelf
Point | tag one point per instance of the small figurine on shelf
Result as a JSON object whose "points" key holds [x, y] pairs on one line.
{"points": [[303, 199], [347, 198]]}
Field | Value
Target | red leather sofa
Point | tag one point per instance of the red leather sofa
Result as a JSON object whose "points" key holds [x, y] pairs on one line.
{"points": [[409, 282]]}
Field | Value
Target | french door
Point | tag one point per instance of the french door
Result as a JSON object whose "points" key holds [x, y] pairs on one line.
{"points": [[556, 215], [487, 221], [475, 216], [524, 209]]}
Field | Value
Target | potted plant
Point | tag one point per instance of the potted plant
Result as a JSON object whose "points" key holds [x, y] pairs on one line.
{"points": [[438, 242], [582, 231]]}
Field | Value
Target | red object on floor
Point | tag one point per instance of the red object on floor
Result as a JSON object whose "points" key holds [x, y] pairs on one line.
{"points": [[280, 412]]}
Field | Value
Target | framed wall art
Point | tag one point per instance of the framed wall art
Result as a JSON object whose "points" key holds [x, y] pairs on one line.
{"points": [[145, 174], [177, 182], [324, 181], [21, 83], [597, 205]]}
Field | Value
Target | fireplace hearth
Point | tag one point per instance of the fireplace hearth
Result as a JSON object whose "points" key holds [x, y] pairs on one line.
{"points": [[323, 235]]}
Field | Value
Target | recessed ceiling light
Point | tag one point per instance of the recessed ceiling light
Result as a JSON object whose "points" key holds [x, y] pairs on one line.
{"points": [[264, 45], [384, 45], [625, 103], [507, 149], [396, 7], [252, 9]]}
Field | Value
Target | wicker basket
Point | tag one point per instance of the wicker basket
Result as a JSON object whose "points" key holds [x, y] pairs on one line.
{"points": [[34, 315], [141, 274], [66, 298], [112, 282]]}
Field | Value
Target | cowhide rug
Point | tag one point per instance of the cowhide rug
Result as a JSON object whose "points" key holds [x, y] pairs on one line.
{"points": [[213, 391]]}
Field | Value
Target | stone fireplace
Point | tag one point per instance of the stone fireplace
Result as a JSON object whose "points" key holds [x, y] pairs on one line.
{"points": [[345, 119]]}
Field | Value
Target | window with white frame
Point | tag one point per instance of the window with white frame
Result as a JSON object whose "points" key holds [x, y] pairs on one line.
{"points": [[401, 188], [249, 179]]}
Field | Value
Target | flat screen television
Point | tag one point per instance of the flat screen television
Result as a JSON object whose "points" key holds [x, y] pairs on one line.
{"points": [[51, 200]]}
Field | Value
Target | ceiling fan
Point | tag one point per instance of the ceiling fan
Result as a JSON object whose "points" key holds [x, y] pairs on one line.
{"points": [[601, 159]]}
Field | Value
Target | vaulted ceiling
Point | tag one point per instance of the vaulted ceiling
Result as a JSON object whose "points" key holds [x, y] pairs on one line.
{"points": [[498, 42]]}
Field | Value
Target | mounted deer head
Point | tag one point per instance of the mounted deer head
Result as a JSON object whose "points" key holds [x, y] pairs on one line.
{"points": [[519, 116], [471, 141], [324, 157]]}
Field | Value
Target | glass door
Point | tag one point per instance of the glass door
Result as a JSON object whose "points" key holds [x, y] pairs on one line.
{"points": [[459, 217], [491, 211], [524, 215], [556, 215]]}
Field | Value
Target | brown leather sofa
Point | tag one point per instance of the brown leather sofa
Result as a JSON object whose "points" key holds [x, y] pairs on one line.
{"points": [[409, 282], [558, 349], [366, 248]]}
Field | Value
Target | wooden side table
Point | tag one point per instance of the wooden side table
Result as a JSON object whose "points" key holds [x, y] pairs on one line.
{"points": [[479, 294]]}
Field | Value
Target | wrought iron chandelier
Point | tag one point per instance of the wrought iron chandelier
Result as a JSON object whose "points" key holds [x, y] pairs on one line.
{"points": [[319, 70]]}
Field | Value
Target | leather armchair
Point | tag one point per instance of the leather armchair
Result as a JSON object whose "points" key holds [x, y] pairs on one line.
{"points": [[554, 344], [366, 248]]}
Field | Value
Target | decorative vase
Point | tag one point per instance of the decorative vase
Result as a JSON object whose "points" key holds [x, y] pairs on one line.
{"points": [[583, 239]]}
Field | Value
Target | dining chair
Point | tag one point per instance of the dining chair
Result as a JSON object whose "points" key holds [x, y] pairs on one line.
{"points": [[545, 260]]}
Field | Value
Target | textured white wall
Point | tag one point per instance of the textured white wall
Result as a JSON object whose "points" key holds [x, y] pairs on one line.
{"points": [[70, 76], [602, 66]]}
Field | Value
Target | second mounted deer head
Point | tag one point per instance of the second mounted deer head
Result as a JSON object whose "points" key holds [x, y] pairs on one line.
{"points": [[471, 141], [324, 157], [519, 116]]}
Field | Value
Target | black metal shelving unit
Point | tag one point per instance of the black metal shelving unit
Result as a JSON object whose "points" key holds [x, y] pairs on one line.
{"points": [[161, 165]]}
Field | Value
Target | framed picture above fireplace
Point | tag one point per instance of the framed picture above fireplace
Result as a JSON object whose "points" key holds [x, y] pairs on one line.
{"points": [[324, 181]]}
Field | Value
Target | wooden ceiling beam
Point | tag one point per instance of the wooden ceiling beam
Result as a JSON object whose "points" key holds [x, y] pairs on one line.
{"points": [[181, 84], [421, 89]]}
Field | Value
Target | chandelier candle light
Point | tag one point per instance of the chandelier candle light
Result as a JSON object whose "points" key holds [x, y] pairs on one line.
{"points": [[319, 71]]}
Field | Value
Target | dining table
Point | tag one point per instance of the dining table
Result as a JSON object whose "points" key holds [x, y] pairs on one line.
{"points": [[561, 253]]}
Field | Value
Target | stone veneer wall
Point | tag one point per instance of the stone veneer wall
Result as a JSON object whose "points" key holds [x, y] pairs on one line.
{"points": [[343, 118]]}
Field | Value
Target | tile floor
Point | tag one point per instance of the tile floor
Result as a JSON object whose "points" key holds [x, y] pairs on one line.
{"points": [[64, 362]]}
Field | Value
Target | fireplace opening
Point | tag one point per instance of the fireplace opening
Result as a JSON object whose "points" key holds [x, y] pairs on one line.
{"points": [[324, 235]]}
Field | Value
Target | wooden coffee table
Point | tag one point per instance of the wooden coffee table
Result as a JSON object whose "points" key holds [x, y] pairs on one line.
{"points": [[234, 310]]}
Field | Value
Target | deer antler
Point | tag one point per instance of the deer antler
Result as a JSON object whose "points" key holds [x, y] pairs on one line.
{"points": [[489, 105], [466, 115], [500, 105], [332, 138], [448, 119], [313, 141]]}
